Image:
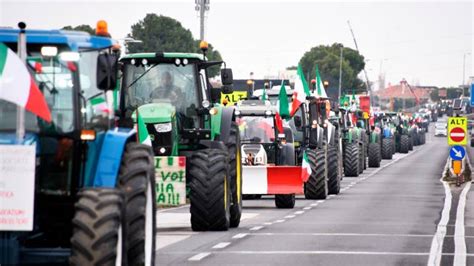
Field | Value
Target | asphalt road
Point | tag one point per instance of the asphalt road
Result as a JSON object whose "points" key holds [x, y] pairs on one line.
{"points": [[391, 215]]}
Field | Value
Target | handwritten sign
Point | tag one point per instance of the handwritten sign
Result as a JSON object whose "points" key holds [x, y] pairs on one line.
{"points": [[17, 187], [170, 178]]}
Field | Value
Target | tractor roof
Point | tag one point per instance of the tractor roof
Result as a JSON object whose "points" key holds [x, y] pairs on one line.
{"points": [[165, 55], [255, 108], [75, 40], [274, 91]]}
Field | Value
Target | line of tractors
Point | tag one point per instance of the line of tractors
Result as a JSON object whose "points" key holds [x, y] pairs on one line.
{"points": [[97, 180]]}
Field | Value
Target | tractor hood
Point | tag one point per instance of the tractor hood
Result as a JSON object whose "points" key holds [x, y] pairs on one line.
{"points": [[153, 113]]}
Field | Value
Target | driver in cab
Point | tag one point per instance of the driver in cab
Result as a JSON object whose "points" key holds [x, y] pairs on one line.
{"points": [[166, 89]]}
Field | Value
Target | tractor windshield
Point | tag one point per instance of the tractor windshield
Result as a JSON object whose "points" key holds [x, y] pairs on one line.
{"points": [[256, 129], [162, 82]]}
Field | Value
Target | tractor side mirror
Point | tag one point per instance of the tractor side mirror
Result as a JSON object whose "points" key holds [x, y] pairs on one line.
{"points": [[226, 77], [106, 71], [298, 122]]}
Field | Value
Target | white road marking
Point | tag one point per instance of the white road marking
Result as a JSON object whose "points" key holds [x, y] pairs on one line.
{"points": [[436, 249], [199, 256], [241, 235], [307, 208], [459, 240], [314, 204], [221, 245], [343, 234], [289, 216], [256, 228], [268, 223], [324, 252], [279, 221], [299, 212]]}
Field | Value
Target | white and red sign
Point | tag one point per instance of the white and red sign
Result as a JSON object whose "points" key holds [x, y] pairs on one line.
{"points": [[17, 187], [271, 180], [457, 134]]}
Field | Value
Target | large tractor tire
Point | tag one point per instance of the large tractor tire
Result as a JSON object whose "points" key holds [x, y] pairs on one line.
{"points": [[374, 155], [361, 158], [334, 175], [387, 147], [351, 159], [209, 190], [404, 143], [98, 235], [285, 201], [235, 171], [137, 182], [317, 185], [410, 143]]}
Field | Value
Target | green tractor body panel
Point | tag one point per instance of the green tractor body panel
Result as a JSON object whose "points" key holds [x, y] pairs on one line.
{"points": [[157, 112], [216, 121]]}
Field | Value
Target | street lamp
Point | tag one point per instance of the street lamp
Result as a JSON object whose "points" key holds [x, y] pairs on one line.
{"points": [[464, 69]]}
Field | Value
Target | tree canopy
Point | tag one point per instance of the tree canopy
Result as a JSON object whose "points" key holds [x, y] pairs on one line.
{"points": [[327, 59], [82, 27], [161, 33]]}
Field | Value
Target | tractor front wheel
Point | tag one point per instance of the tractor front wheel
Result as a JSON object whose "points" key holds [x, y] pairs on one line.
{"points": [[285, 201], [316, 187], [334, 177], [351, 159], [387, 147], [209, 190], [404, 144], [374, 155], [235, 162]]}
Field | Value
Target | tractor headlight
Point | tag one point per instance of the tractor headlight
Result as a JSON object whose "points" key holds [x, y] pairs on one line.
{"points": [[163, 127]]}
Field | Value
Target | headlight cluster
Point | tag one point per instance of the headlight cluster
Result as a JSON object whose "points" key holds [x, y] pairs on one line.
{"points": [[163, 127]]}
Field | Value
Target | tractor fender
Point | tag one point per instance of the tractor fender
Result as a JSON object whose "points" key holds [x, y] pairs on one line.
{"points": [[104, 157], [221, 123]]}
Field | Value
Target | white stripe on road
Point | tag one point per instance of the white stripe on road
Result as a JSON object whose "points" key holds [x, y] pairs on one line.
{"points": [[279, 221], [307, 208], [256, 228], [299, 212], [343, 234], [199, 256], [436, 249], [289, 216], [459, 240], [221, 245], [323, 252], [242, 235]]}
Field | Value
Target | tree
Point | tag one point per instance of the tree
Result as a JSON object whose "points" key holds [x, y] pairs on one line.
{"points": [[161, 33], [327, 59], [82, 27]]}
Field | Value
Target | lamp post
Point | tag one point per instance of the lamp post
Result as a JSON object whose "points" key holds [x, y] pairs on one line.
{"points": [[464, 70]]}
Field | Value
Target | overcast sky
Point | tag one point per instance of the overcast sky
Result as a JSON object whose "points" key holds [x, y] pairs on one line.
{"points": [[423, 42]]}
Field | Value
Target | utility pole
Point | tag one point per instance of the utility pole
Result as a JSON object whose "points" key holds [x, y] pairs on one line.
{"points": [[357, 48], [464, 70], [340, 76], [202, 6]]}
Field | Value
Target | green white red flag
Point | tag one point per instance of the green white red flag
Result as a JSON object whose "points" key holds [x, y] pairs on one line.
{"points": [[18, 86], [300, 92], [306, 168], [142, 132], [320, 92]]}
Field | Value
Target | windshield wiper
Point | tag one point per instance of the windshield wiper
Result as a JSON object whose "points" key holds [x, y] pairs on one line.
{"points": [[139, 77]]}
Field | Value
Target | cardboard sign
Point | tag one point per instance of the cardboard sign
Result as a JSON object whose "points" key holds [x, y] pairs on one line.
{"points": [[234, 97], [17, 187], [457, 131], [170, 178]]}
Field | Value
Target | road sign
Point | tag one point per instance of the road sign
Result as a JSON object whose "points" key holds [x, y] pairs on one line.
{"points": [[472, 93], [457, 152], [457, 131]]}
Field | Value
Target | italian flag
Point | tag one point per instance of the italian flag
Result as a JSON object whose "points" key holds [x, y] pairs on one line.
{"points": [[300, 92], [320, 92], [306, 171], [17, 85], [142, 132], [283, 102], [99, 105]]}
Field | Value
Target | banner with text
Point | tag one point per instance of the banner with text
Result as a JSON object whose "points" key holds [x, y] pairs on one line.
{"points": [[170, 178]]}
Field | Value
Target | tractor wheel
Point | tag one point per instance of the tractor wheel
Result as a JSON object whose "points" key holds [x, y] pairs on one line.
{"points": [[404, 144], [334, 177], [137, 182], [235, 170], [98, 235], [317, 185], [361, 158], [410, 143], [387, 147], [374, 155], [209, 190], [351, 159], [423, 138], [285, 201]]}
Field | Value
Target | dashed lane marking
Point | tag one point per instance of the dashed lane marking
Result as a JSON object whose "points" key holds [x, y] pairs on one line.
{"points": [[256, 228], [299, 212], [241, 235], [199, 256], [221, 245], [289, 216]]}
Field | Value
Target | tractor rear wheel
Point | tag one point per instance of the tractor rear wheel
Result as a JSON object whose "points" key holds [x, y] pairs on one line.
{"points": [[137, 182], [410, 143], [98, 235], [285, 201], [334, 177], [374, 155], [361, 158], [351, 159], [316, 187], [235, 162], [404, 144], [387, 147], [209, 190]]}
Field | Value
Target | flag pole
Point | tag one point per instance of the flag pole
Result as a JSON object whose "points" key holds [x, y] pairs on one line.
{"points": [[20, 111]]}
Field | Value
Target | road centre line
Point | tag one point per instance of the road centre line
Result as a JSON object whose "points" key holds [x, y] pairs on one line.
{"points": [[307, 208], [221, 245], [279, 221], [299, 212], [459, 240], [241, 235], [325, 252], [199, 256], [256, 228], [289, 216]]}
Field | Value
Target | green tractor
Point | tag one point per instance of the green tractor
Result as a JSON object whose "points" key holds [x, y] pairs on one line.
{"points": [[194, 141], [402, 134], [353, 144]]}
